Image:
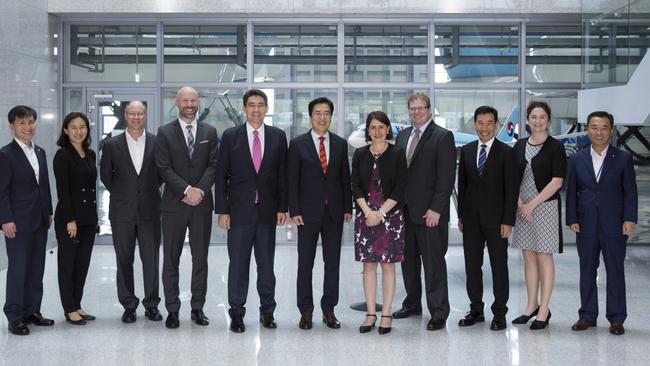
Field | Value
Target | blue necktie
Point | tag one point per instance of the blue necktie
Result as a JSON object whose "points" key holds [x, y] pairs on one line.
{"points": [[482, 157], [190, 140]]}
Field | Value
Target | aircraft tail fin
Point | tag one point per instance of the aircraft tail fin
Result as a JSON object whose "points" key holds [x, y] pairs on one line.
{"points": [[508, 131]]}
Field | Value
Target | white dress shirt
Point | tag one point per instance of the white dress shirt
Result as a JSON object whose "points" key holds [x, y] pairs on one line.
{"points": [[488, 145], [30, 153], [326, 142], [422, 129], [260, 134], [136, 149], [598, 160]]}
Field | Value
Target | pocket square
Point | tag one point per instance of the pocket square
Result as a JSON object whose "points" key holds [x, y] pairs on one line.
{"points": [[204, 141]]}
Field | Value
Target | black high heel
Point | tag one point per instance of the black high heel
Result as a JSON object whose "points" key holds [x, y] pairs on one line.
{"points": [[385, 330], [74, 322], [525, 318], [368, 328], [540, 324]]}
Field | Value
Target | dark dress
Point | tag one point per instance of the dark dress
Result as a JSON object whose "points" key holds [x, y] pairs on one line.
{"points": [[383, 243]]}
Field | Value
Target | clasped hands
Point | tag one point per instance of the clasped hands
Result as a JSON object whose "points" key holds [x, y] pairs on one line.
{"points": [[193, 196]]}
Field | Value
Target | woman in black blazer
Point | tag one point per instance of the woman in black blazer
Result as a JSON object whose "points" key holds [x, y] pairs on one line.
{"points": [[378, 183], [75, 218], [541, 167]]}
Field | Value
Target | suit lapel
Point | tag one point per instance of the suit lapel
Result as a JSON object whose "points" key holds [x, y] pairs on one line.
{"points": [[40, 155], [243, 136], [148, 152], [25, 161], [124, 148], [423, 139], [609, 159], [472, 157], [588, 164], [403, 142], [268, 136]]}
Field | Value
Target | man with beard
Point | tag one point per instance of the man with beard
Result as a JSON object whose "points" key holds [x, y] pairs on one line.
{"points": [[186, 156]]}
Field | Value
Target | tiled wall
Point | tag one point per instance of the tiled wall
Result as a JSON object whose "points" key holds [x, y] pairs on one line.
{"points": [[29, 74]]}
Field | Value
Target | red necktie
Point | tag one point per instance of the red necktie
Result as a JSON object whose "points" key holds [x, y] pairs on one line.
{"points": [[322, 155]]}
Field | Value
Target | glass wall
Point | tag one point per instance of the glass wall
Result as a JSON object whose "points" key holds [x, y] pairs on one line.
{"points": [[386, 53], [111, 53], [477, 53], [295, 53], [553, 54], [205, 53]]}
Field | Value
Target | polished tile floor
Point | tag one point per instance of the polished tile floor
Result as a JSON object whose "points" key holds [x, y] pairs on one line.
{"points": [[107, 341]]}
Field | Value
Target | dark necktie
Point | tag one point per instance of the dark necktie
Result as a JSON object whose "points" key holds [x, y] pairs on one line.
{"points": [[482, 157], [190, 140]]}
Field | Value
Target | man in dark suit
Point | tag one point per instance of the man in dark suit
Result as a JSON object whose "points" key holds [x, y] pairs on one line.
{"points": [[319, 202], [602, 209], [26, 215], [128, 170], [431, 158], [186, 156], [487, 202], [251, 199]]}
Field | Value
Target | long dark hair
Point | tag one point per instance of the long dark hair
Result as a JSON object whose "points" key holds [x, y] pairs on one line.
{"points": [[381, 117], [64, 139]]}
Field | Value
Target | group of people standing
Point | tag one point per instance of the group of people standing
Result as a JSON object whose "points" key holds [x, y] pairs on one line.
{"points": [[401, 194]]}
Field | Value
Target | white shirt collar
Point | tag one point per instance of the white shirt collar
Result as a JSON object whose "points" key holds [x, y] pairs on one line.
{"points": [[184, 124], [595, 155], [487, 144], [140, 139], [423, 127], [23, 145], [250, 128], [315, 136]]}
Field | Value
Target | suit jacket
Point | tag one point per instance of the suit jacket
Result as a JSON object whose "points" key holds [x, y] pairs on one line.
{"points": [[236, 180], [490, 198], [308, 186], [392, 173], [133, 196], [606, 203], [431, 173], [178, 171], [75, 186], [23, 200]]}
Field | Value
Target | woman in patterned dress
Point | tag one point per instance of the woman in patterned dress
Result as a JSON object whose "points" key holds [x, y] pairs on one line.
{"points": [[541, 163], [378, 182]]}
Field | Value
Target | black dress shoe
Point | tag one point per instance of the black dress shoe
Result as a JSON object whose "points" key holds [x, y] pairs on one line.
{"points": [[617, 328], [498, 323], [436, 324], [153, 314], [128, 316], [74, 322], [37, 319], [88, 317], [199, 318], [330, 320], [385, 330], [237, 324], [471, 318], [305, 320], [172, 320], [267, 321], [583, 324], [368, 328], [405, 313], [523, 319], [540, 324], [18, 327]]}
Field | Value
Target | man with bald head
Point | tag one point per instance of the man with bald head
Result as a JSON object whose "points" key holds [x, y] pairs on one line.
{"points": [[129, 172], [186, 156]]}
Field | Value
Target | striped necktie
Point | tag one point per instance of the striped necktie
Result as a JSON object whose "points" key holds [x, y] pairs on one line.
{"points": [[482, 157], [190, 140]]}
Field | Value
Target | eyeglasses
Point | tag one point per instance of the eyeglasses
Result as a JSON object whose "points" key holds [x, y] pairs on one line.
{"points": [[418, 109], [138, 114], [322, 114]]}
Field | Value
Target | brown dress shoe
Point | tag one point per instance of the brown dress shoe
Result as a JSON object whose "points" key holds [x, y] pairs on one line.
{"points": [[583, 324], [330, 320], [305, 320], [617, 328]]}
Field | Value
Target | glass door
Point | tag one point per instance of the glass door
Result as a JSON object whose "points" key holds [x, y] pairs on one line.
{"points": [[105, 108]]}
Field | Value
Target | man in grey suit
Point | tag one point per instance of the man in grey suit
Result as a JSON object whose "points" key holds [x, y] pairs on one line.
{"points": [[186, 156], [128, 170], [431, 158]]}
